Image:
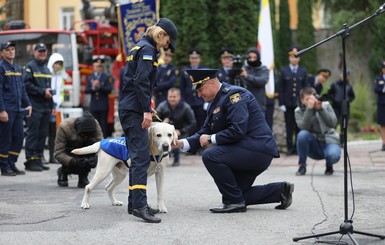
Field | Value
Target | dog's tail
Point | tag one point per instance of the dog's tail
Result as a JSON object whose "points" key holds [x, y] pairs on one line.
{"points": [[94, 148]]}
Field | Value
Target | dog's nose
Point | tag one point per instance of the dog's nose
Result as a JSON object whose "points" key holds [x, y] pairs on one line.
{"points": [[165, 147]]}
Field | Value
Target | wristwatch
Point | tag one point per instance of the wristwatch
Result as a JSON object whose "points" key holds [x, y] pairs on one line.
{"points": [[209, 139]]}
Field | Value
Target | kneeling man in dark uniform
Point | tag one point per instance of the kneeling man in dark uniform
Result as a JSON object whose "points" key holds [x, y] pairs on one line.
{"points": [[239, 145]]}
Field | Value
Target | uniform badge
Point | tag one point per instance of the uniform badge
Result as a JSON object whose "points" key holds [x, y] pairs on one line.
{"points": [[216, 110], [235, 98]]}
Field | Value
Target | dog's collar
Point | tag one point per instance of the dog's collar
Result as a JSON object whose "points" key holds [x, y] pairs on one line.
{"points": [[158, 158]]}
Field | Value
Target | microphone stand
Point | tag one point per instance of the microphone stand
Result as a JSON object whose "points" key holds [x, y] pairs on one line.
{"points": [[346, 228]]}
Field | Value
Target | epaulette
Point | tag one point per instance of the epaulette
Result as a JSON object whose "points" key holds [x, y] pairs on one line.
{"points": [[226, 89]]}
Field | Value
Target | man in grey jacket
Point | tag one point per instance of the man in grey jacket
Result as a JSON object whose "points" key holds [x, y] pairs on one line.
{"points": [[317, 137]]}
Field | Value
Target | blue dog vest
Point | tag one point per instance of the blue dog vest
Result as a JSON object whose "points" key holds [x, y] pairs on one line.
{"points": [[116, 147]]}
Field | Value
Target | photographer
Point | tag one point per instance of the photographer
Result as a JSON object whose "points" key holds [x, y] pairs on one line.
{"points": [[254, 76], [76, 133], [317, 137]]}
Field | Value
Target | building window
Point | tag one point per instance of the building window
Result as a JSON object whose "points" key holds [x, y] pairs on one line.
{"points": [[67, 18]]}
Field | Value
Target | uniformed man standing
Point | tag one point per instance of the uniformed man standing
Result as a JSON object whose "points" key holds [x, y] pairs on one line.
{"points": [[293, 79], [135, 111], [99, 86], [37, 79], [226, 55], [165, 78], [238, 143], [190, 95], [14, 104]]}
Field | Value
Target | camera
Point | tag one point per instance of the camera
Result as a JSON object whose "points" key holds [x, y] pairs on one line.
{"points": [[320, 97], [235, 72]]}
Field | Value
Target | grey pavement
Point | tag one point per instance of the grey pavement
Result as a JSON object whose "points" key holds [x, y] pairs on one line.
{"points": [[34, 210]]}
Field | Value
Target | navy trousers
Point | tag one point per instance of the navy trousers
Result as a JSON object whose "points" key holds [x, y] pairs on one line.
{"points": [[139, 149], [234, 170], [11, 135]]}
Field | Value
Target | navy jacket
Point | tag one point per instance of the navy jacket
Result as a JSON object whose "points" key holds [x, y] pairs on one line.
{"points": [[37, 78], [99, 96], [235, 117], [188, 94], [290, 85], [318, 87], [379, 89], [165, 79], [223, 75], [139, 77], [13, 96]]}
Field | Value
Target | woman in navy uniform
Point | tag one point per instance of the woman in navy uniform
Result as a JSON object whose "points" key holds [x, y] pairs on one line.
{"points": [[135, 112], [14, 102], [238, 143], [99, 86], [293, 79]]}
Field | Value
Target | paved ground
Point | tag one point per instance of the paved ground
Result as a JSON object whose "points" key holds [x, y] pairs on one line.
{"points": [[33, 210]]}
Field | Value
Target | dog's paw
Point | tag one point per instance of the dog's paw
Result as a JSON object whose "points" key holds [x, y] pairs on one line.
{"points": [[85, 205], [162, 209], [117, 203]]}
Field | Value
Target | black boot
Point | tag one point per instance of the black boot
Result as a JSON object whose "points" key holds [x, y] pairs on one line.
{"points": [[33, 165], [145, 214], [83, 180], [62, 180], [153, 211]]}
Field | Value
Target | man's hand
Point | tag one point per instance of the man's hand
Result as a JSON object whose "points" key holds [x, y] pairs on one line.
{"points": [[4, 116], [29, 108], [177, 145], [204, 140], [48, 94]]}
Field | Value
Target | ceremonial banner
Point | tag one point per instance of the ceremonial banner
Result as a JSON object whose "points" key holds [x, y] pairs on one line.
{"points": [[134, 18], [265, 45]]}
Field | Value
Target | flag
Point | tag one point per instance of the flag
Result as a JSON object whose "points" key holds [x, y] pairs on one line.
{"points": [[133, 19], [265, 45]]}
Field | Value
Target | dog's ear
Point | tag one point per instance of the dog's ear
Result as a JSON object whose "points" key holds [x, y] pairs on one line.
{"points": [[151, 135], [175, 138]]}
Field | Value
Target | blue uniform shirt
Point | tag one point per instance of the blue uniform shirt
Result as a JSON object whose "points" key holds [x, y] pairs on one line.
{"points": [[13, 96]]}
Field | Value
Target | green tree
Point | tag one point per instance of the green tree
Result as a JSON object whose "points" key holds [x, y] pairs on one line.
{"points": [[305, 35], [284, 36]]}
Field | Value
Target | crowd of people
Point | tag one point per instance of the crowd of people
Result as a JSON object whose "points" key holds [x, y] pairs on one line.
{"points": [[222, 114]]}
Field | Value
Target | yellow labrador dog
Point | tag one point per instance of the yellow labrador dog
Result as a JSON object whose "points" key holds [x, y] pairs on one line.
{"points": [[161, 135]]}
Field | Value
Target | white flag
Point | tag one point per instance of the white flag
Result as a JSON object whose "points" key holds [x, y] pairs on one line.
{"points": [[265, 45]]}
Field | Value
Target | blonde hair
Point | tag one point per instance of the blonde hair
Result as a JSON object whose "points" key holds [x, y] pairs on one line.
{"points": [[154, 32]]}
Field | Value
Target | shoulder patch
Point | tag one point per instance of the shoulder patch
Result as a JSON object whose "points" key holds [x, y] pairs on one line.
{"points": [[234, 98], [147, 57]]}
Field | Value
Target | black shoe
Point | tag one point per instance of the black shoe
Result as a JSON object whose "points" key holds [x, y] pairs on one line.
{"points": [[286, 195], [7, 172], [291, 151], [33, 165], [153, 211], [17, 171], [62, 180], [176, 163], [329, 170], [52, 160], [301, 170], [42, 165], [230, 208], [145, 214], [83, 181], [383, 148]]}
